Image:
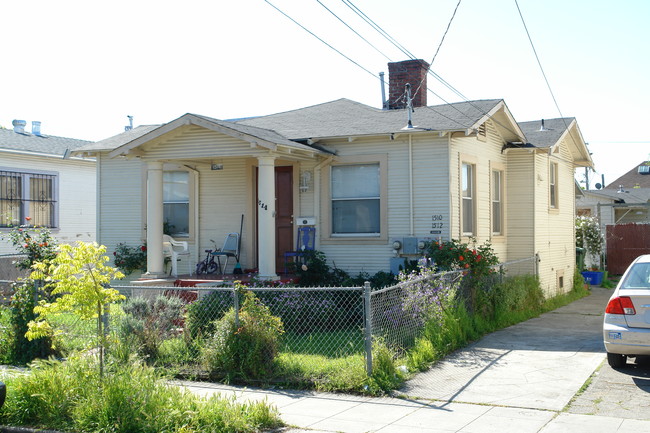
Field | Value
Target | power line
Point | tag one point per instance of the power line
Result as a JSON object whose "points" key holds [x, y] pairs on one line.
{"points": [[317, 37], [354, 31]]}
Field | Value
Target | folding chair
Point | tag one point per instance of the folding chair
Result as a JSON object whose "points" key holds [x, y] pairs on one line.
{"points": [[229, 249], [306, 242]]}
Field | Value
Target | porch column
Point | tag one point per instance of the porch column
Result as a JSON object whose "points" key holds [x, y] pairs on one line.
{"points": [[154, 219], [266, 217]]}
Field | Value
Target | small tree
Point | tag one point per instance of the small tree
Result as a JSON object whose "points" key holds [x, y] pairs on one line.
{"points": [[79, 277]]}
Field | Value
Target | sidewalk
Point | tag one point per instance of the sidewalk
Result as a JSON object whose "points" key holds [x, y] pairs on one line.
{"points": [[531, 372]]}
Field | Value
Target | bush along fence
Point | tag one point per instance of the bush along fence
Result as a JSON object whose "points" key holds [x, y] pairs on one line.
{"points": [[266, 334]]}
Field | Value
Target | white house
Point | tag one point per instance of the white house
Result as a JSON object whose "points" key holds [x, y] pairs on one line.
{"points": [[40, 179], [364, 177]]}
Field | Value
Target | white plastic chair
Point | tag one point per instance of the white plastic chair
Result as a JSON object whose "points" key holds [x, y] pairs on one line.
{"points": [[174, 249]]}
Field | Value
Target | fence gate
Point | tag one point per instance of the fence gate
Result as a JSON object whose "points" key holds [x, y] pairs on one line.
{"points": [[625, 242]]}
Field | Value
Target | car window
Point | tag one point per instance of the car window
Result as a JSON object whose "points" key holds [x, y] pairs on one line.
{"points": [[638, 277]]}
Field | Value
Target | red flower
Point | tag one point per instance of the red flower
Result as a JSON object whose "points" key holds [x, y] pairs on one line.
{"points": [[26, 246], [466, 265], [28, 218], [115, 253], [143, 248], [461, 258], [478, 257]]}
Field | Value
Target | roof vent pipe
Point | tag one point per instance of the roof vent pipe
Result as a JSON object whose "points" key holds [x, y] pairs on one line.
{"points": [[19, 126], [36, 127], [409, 105], [384, 102], [130, 125], [542, 128]]}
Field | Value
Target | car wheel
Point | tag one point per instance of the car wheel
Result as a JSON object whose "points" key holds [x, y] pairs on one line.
{"points": [[616, 361]]}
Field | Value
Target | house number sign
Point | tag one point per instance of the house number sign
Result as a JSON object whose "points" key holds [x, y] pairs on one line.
{"points": [[437, 223], [262, 205]]}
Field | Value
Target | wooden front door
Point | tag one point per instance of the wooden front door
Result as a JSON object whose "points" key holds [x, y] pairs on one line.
{"points": [[283, 215]]}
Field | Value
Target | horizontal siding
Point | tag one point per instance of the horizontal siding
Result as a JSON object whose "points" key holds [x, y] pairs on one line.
{"points": [[520, 204], [77, 195]]}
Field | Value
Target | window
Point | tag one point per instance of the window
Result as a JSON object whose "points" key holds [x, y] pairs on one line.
{"points": [[30, 195], [176, 203], [497, 202], [467, 182], [553, 186], [355, 191]]}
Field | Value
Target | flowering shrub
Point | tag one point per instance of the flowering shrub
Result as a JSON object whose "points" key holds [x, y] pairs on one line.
{"points": [[588, 236], [36, 243], [455, 255], [129, 259]]}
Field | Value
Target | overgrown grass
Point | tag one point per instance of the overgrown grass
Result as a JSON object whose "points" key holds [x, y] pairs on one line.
{"points": [[331, 344], [69, 396]]}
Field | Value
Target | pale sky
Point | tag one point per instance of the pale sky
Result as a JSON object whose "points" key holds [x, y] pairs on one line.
{"points": [[80, 67]]}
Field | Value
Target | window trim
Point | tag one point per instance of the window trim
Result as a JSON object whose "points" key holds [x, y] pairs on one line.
{"points": [[500, 168], [327, 237], [188, 202], [25, 175], [470, 162], [553, 191]]}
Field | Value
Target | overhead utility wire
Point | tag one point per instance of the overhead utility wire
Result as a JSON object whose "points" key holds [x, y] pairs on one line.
{"points": [[548, 85], [439, 45], [314, 35], [348, 58], [400, 47], [354, 31]]}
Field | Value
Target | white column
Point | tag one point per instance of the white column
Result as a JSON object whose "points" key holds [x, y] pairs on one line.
{"points": [[266, 216], [154, 219]]}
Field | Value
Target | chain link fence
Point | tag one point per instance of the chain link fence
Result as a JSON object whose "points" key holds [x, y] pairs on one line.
{"points": [[327, 321]]}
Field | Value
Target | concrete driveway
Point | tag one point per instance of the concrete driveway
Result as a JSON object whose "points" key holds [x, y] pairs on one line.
{"points": [[545, 375]]}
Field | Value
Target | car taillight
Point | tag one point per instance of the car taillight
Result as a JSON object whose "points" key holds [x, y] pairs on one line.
{"points": [[621, 305]]}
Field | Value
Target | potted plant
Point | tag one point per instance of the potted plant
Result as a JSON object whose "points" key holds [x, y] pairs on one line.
{"points": [[588, 236]]}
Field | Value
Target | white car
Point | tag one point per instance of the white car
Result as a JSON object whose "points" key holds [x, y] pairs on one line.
{"points": [[626, 328]]}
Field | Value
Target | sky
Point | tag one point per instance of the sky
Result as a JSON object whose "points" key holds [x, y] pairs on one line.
{"points": [[81, 67]]}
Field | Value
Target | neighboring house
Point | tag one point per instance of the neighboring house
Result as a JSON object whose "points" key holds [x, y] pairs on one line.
{"points": [[625, 200], [40, 179], [362, 176]]}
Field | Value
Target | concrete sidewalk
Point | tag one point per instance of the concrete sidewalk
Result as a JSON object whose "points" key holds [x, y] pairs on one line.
{"points": [[515, 380]]}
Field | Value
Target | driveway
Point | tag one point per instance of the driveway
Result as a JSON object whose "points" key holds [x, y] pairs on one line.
{"points": [[537, 364], [545, 375]]}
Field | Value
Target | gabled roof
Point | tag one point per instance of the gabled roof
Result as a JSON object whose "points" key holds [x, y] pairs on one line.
{"points": [[625, 195], [122, 143], [37, 144], [632, 178], [346, 118], [553, 132]]}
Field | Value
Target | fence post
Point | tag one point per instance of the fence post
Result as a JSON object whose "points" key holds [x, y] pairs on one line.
{"points": [[368, 327], [235, 301]]}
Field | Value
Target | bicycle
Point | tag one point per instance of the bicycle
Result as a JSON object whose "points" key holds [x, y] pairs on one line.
{"points": [[209, 265]]}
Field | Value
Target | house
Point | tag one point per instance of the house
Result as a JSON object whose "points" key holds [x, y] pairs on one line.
{"points": [[364, 177], [40, 179], [625, 200]]}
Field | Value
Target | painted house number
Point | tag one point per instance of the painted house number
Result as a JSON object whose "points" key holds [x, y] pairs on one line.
{"points": [[437, 224], [262, 205]]}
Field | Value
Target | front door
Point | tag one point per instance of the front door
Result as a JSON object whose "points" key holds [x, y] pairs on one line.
{"points": [[283, 215]]}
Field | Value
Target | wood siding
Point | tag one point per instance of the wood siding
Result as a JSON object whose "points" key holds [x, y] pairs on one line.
{"points": [[76, 195]]}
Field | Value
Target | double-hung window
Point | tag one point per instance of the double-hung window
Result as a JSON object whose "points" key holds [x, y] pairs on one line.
{"points": [[176, 203], [497, 202], [355, 192], [468, 197], [553, 197], [30, 195]]}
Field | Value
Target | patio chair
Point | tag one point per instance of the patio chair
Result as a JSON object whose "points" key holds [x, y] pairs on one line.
{"points": [[229, 249], [305, 242], [174, 249]]}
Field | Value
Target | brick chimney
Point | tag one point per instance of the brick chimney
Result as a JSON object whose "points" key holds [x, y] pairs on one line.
{"points": [[401, 73]]}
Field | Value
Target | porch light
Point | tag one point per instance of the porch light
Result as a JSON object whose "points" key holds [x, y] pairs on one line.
{"points": [[305, 181]]}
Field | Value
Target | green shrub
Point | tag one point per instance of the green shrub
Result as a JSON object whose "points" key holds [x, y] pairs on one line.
{"points": [[246, 350], [385, 375], [22, 350], [201, 315], [148, 322], [130, 259], [132, 399]]}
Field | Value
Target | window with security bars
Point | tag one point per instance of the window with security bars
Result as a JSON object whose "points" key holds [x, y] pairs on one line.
{"points": [[24, 195]]}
